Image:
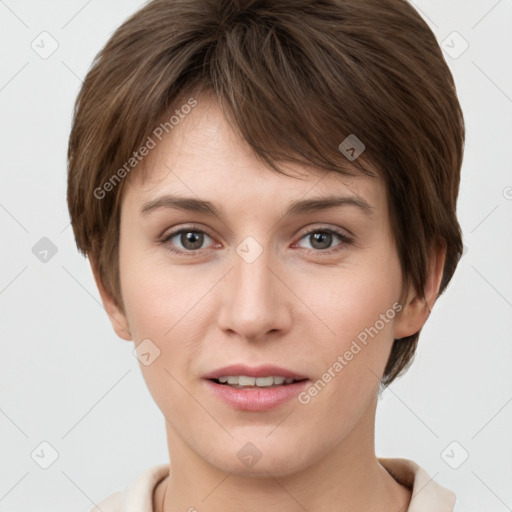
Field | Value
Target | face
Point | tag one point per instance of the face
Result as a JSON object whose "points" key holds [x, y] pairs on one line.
{"points": [[312, 292]]}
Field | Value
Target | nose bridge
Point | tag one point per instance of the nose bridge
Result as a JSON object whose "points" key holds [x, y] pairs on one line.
{"points": [[254, 302], [252, 270]]}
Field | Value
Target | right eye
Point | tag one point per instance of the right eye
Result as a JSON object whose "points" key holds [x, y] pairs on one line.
{"points": [[191, 238]]}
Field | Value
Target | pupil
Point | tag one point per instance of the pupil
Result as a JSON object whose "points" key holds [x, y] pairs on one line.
{"points": [[322, 236], [192, 237]]}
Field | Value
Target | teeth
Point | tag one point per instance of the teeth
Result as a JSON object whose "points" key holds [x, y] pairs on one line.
{"points": [[246, 381], [263, 382]]}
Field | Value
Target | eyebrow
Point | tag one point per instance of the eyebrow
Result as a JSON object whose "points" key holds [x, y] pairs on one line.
{"points": [[299, 207]]}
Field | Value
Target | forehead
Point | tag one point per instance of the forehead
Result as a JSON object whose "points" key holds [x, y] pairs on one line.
{"points": [[203, 156]]}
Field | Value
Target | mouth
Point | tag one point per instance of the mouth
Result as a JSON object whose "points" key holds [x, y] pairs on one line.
{"points": [[254, 388], [247, 382]]}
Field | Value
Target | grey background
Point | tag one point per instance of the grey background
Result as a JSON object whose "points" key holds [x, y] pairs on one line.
{"points": [[67, 380]]}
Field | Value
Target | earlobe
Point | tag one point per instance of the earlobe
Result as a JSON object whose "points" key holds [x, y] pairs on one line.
{"points": [[417, 309], [116, 316]]}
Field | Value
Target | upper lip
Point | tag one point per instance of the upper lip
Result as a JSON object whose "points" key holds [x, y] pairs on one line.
{"points": [[266, 370]]}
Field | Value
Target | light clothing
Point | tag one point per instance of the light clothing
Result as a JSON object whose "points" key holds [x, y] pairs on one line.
{"points": [[427, 495]]}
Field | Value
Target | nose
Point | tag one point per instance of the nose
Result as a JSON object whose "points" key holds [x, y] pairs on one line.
{"points": [[256, 303]]}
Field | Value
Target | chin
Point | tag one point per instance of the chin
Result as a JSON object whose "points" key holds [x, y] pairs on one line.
{"points": [[262, 457]]}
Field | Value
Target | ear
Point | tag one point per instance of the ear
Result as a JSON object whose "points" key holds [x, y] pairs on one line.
{"points": [[416, 308], [116, 316]]}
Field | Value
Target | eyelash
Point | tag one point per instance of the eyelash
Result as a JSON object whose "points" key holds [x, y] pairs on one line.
{"points": [[195, 229]]}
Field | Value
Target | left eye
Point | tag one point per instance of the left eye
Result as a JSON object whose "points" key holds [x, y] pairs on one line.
{"points": [[321, 239]]}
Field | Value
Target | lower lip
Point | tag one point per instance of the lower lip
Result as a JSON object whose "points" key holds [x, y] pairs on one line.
{"points": [[256, 399]]}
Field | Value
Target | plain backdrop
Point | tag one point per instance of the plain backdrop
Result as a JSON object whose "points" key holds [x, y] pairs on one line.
{"points": [[72, 391]]}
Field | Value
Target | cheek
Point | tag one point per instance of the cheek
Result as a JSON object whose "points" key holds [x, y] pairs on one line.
{"points": [[348, 301], [353, 330], [158, 297], [162, 306], [169, 305]]}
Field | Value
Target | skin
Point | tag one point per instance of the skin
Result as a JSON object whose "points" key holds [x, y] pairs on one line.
{"points": [[297, 306]]}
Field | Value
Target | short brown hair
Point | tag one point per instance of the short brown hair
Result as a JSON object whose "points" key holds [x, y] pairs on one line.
{"points": [[294, 78]]}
